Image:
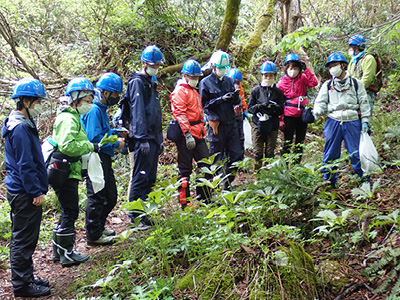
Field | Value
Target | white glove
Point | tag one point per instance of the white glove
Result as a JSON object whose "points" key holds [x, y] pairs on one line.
{"points": [[317, 112]]}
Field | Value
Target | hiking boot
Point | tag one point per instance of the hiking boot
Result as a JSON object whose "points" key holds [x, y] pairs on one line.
{"points": [[32, 290], [145, 223], [40, 281], [108, 232], [103, 240]]}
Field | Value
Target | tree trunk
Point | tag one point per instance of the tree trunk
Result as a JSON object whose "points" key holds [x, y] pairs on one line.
{"points": [[255, 40], [291, 16], [228, 25]]}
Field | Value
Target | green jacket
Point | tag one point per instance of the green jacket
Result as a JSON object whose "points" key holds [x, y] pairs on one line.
{"points": [[364, 69], [71, 138]]}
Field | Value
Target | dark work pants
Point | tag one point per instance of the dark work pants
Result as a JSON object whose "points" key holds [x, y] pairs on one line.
{"points": [[185, 166], [239, 122], [69, 201], [99, 205], [144, 173], [25, 227], [227, 141], [294, 126]]}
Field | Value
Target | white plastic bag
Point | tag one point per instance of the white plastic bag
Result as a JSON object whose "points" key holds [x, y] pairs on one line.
{"points": [[247, 134], [368, 154], [95, 172]]}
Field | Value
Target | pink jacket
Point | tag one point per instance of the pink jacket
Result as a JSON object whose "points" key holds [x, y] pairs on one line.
{"points": [[294, 90]]}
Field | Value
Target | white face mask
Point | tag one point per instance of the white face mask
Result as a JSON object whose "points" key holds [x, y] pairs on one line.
{"points": [[193, 82], [220, 72], [237, 86], [36, 110], [84, 108], [292, 73], [151, 71], [351, 52], [267, 82], [336, 71]]}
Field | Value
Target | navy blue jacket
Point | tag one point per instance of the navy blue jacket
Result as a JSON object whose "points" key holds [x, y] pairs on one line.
{"points": [[96, 124], [145, 108], [26, 170], [211, 90]]}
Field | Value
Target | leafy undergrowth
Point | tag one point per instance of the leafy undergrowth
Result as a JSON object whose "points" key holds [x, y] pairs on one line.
{"points": [[282, 233]]}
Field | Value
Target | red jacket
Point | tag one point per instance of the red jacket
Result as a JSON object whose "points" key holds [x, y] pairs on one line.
{"points": [[187, 108], [294, 90]]}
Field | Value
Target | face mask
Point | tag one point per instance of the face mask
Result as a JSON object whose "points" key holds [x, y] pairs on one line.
{"points": [[267, 82], [336, 71], [237, 86], [292, 73], [220, 72], [193, 82], [84, 108], [351, 52], [151, 71], [112, 101], [36, 110]]}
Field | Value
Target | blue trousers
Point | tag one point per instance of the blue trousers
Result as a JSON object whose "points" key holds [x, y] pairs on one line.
{"points": [[335, 133]]}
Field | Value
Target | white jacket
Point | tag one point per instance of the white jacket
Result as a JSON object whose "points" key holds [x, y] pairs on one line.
{"points": [[341, 102]]}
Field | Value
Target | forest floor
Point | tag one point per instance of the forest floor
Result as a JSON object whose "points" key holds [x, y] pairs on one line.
{"points": [[62, 279]]}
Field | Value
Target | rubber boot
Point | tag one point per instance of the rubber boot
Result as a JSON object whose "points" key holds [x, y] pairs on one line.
{"points": [[56, 256], [65, 244], [184, 192]]}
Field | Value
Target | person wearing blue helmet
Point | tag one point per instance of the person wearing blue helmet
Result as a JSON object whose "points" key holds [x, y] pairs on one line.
{"points": [[363, 66], [96, 124], [294, 86], [240, 109], [72, 143], [188, 111], [219, 98], [341, 99], [266, 104], [145, 133], [26, 183]]}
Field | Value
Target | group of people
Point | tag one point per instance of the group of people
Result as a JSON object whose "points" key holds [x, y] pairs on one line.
{"points": [[82, 127]]}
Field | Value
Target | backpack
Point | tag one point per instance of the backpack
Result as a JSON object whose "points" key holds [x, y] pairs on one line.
{"points": [[355, 83], [378, 81]]}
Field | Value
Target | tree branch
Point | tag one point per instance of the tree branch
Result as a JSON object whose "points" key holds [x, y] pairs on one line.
{"points": [[228, 25]]}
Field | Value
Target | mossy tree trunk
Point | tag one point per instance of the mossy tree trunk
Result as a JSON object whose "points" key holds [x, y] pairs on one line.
{"points": [[228, 25], [255, 40]]}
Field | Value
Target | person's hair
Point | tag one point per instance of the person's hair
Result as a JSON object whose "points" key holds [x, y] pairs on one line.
{"points": [[292, 64], [20, 103]]}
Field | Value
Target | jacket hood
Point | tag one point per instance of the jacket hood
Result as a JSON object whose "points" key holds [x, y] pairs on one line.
{"points": [[15, 118], [136, 74], [342, 84], [183, 82]]}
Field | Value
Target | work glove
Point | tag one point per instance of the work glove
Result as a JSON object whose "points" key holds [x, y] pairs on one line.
{"points": [[303, 65], [144, 148], [246, 115], [112, 139], [228, 96], [190, 142], [365, 127], [317, 112]]}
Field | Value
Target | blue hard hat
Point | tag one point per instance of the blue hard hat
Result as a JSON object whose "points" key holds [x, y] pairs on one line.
{"points": [[152, 55], [292, 57], [191, 68], [110, 82], [235, 74], [79, 84], [29, 87], [336, 57], [357, 40], [268, 67]]}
